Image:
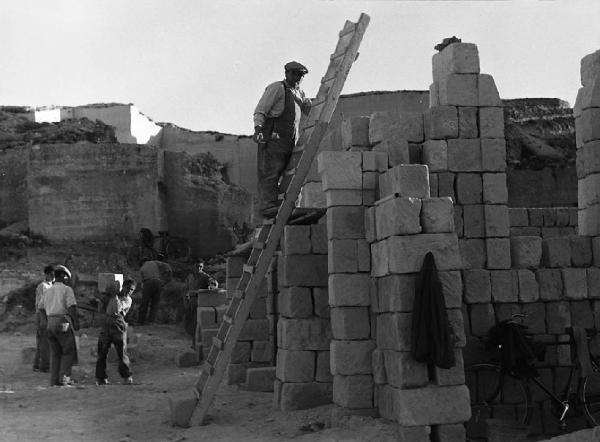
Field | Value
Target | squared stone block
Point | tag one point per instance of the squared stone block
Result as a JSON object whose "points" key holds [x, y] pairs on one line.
{"points": [[295, 302], [478, 287], [488, 94], [551, 285], [482, 318], [498, 253], [593, 282], [351, 357], [437, 215], [518, 216], [587, 126], [432, 405], [296, 240], [374, 161], [549, 216], [558, 317], [363, 252], [588, 158], [458, 90], [304, 395], [318, 238], [378, 365], [394, 331], [353, 391], [407, 180], [435, 155], [496, 220], [323, 373], [398, 216], [433, 95], [587, 97], [348, 290], [380, 260], [262, 351], [556, 252], [312, 196], [206, 317], [441, 122], [403, 371], [588, 224], [355, 131], [504, 286], [346, 222], [467, 122], [350, 323], [394, 125], [397, 151], [370, 180], [241, 352], [495, 190], [341, 197], [526, 251], [396, 293], [451, 376], [575, 283], [493, 154], [433, 185], [473, 253], [590, 68], [452, 287], [342, 256], [456, 58], [340, 170], [464, 155], [529, 290], [303, 270], [406, 253], [491, 122], [303, 334], [474, 221], [370, 225], [295, 365], [581, 251], [468, 188], [446, 184], [255, 330]]}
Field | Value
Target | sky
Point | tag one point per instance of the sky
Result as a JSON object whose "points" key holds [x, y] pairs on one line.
{"points": [[203, 65]]}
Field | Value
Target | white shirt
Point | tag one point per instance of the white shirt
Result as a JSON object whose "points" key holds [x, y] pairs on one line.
{"points": [[58, 299]]}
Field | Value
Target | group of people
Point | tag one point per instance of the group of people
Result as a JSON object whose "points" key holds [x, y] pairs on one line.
{"points": [[57, 320]]}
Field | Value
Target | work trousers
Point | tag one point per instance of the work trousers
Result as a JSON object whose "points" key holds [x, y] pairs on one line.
{"points": [[117, 338], [272, 159], [42, 349], [150, 300], [63, 350]]}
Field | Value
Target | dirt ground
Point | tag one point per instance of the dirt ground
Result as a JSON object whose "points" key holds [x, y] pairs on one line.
{"points": [[30, 410]]}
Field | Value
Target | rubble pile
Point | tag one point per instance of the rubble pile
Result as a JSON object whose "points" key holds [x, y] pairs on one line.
{"points": [[16, 130]]}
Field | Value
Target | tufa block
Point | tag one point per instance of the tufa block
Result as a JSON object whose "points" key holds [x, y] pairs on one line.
{"points": [[351, 357], [464, 155], [440, 122], [491, 122], [407, 180], [488, 94], [340, 170], [456, 58], [437, 215], [435, 155], [397, 216], [458, 90]]}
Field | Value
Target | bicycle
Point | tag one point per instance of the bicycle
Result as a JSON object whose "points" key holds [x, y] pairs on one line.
{"points": [[169, 248], [498, 391]]}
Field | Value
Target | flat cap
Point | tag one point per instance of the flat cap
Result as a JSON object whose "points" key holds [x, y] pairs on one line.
{"points": [[295, 66], [61, 268]]}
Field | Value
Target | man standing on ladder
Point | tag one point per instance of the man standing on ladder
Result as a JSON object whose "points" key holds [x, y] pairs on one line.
{"points": [[276, 130]]}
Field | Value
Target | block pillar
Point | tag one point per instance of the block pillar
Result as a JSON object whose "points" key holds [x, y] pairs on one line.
{"points": [[587, 135]]}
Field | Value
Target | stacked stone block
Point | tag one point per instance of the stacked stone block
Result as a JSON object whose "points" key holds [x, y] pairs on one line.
{"points": [[255, 346], [303, 378], [546, 222], [408, 391], [587, 135]]}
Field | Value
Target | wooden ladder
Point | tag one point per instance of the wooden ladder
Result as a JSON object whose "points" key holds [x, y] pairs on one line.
{"points": [[270, 232]]}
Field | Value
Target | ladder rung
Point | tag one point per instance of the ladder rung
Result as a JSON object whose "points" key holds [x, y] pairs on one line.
{"points": [[238, 294], [259, 245], [289, 172], [228, 319], [337, 55], [348, 28], [318, 102], [281, 196], [213, 354], [328, 79], [218, 343], [248, 268], [268, 221]]}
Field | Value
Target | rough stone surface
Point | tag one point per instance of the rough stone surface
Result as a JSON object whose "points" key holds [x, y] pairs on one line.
{"points": [[403, 371], [504, 286], [295, 302], [304, 334], [529, 290], [478, 287], [342, 197], [350, 323], [398, 216], [467, 122], [347, 290], [323, 372], [260, 378], [435, 155], [464, 155], [340, 170], [458, 90], [526, 251], [581, 251], [406, 253], [556, 252], [342, 256], [493, 154], [303, 270], [496, 220], [391, 125], [491, 122], [498, 253], [437, 215], [432, 405], [296, 240], [396, 149], [474, 220], [407, 180], [488, 94], [351, 357], [495, 190], [346, 222], [396, 293], [394, 331], [182, 409], [300, 396], [441, 122], [469, 188], [295, 365], [551, 285], [353, 391], [575, 283], [473, 253], [456, 58]]}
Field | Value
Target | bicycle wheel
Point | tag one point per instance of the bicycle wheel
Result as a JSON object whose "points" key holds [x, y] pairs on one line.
{"points": [[495, 395], [177, 249], [590, 397]]}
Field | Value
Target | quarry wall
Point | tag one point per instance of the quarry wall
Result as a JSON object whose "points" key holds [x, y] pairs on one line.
{"points": [[84, 191], [13, 185]]}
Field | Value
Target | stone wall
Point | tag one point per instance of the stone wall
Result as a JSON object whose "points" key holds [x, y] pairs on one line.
{"points": [[303, 377], [546, 222], [13, 185], [85, 191]]}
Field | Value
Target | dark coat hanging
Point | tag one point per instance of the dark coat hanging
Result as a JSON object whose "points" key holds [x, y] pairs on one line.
{"points": [[432, 337]]}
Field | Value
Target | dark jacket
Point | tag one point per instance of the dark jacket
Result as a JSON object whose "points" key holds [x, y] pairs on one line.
{"points": [[432, 337]]}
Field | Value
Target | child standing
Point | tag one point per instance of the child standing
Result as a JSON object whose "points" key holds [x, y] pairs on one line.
{"points": [[114, 331]]}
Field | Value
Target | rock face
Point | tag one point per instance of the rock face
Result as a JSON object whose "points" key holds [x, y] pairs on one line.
{"points": [[200, 206], [540, 152]]}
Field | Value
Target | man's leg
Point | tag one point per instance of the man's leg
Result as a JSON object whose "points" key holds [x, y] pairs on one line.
{"points": [[69, 350], [272, 160], [120, 341], [55, 356], [44, 348], [38, 343], [103, 348]]}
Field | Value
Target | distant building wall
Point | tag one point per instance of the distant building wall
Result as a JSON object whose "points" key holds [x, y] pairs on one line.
{"points": [[85, 191], [13, 185]]}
